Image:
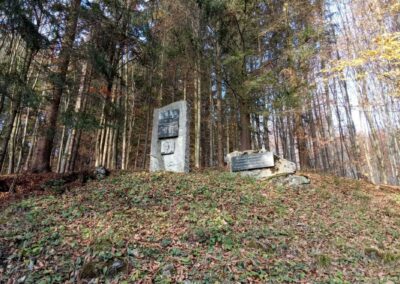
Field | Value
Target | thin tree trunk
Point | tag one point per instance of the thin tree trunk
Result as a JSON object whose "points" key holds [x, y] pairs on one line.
{"points": [[124, 157], [79, 103], [16, 103], [100, 140], [33, 143], [227, 133], [211, 127], [23, 140], [304, 158], [161, 91], [266, 133], [197, 103], [220, 116], [75, 150], [61, 150], [146, 137], [137, 153], [13, 143], [245, 133], [197, 25]]}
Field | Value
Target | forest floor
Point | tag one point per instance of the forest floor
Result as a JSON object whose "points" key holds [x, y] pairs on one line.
{"points": [[203, 228]]}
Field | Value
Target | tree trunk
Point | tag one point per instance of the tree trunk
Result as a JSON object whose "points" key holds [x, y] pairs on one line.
{"points": [[304, 158], [220, 116], [13, 143], [211, 127], [23, 140], [245, 133], [61, 150], [266, 133], [146, 137], [258, 131], [197, 128], [84, 81], [125, 151], [75, 150], [16, 103], [48, 128], [197, 90], [137, 153]]}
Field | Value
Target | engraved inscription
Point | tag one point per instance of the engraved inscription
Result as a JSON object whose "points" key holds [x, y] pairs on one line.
{"points": [[167, 147], [168, 124], [252, 161]]}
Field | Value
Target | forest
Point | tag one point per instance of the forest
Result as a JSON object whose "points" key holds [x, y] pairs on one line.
{"points": [[199, 141], [316, 82]]}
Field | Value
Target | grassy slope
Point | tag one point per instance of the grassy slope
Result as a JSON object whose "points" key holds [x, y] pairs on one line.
{"points": [[204, 227]]}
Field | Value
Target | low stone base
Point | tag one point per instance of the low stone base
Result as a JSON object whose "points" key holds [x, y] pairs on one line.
{"points": [[293, 181]]}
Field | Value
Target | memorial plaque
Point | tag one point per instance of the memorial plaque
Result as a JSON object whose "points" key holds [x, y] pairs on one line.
{"points": [[168, 124], [170, 149], [167, 147], [252, 161]]}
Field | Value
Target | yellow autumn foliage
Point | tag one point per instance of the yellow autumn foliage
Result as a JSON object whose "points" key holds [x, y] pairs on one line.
{"points": [[386, 53]]}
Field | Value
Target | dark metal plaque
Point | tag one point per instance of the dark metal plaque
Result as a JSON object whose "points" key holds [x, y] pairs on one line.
{"points": [[252, 161], [168, 124]]}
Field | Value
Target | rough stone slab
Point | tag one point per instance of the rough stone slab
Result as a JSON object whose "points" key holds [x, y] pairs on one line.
{"points": [[252, 161], [281, 167], [170, 138]]}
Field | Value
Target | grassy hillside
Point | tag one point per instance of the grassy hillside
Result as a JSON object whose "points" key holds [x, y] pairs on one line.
{"points": [[203, 228]]}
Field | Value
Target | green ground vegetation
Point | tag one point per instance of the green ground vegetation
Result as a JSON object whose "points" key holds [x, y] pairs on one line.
{"points": [[206, 227]]}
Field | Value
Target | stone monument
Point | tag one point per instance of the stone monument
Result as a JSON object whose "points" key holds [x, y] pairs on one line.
{"points": [[265, 165], [170, 138]]}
